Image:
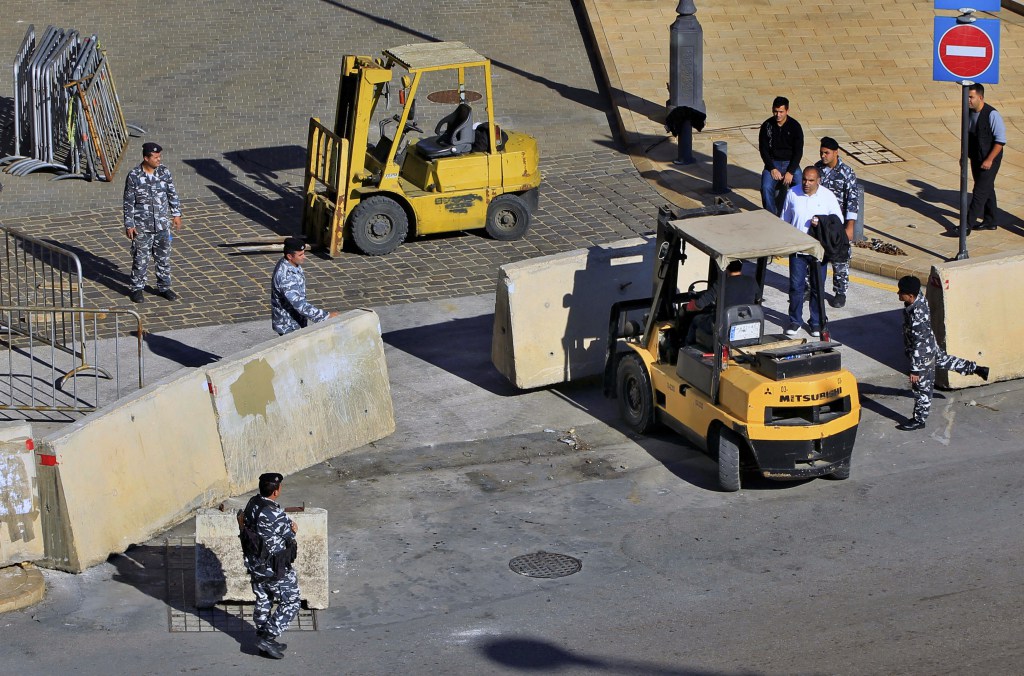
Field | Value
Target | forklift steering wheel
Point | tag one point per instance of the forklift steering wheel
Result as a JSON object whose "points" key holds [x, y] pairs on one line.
{"points": [[692, 286]]}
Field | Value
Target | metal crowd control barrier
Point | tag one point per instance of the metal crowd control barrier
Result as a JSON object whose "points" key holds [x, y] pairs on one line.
{"points": [[39, 371], [323, 213], [67, 115]]}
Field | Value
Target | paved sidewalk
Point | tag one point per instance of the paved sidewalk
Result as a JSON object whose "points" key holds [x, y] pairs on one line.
{"points": [[854, 70]]}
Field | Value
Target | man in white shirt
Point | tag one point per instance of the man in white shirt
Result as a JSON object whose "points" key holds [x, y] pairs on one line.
{"points": [[804, 203]]}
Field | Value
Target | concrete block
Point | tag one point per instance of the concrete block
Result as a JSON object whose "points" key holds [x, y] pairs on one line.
{"points": [[21, 537], [220, 569], [125, 473], [302, 398], [972, 304], [551, 313]]}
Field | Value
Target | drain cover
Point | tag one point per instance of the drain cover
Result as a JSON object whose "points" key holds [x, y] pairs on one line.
{"points": [[545, 564], [452, 96], [871, 152]]}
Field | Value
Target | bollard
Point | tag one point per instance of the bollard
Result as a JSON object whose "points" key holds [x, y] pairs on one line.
{"points": [[719, 168], [858, 226]]}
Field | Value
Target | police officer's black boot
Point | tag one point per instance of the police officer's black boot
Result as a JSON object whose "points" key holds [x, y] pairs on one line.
{"points": [[268, 646]]}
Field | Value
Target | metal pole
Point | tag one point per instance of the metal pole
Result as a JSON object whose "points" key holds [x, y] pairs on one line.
{"points": [[858, 225], [964, 131], [719, 168], [684, 151]]}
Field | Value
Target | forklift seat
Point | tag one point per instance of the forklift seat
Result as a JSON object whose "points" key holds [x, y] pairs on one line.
{"points": [[743, 325], [456, 139]]}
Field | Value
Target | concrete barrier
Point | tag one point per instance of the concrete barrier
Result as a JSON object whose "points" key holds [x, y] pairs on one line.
{"points": [[21, 535], [297, 400], [973, 315], [551, 313], [123, 474], [220, 569]]}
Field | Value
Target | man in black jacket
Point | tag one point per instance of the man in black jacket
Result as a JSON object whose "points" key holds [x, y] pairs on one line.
{"points": [[781, 143], [985, 140]]}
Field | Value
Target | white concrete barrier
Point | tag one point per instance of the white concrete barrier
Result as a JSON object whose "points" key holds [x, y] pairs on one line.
{"points": [[21, 537], [297, 400], [125, 473], [220, 569], [973, 304], [551, 313]]}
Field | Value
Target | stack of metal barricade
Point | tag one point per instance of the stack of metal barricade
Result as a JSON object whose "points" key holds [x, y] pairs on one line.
{"points": [[67, 116]]}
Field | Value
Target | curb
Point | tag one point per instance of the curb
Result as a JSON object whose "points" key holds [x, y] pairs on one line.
{"points": [[20, 586]]}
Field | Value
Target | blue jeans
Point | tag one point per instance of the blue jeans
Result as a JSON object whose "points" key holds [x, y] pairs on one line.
{"points": [[773, 193], [799, 269]]}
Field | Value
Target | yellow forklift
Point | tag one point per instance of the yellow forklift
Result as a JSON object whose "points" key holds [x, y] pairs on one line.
{"points": [[469, 175], [784, 408]]}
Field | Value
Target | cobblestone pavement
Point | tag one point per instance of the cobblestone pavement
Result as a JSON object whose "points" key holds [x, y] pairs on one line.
{"points": [[227, 88]]}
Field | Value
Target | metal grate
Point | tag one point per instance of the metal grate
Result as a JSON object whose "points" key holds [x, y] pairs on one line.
{"points": [[183, 616], [545, 564], [871, 152], [452, 96]]}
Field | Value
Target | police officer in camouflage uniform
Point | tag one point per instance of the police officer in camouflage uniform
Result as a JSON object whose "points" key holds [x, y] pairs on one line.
{"points": [[289, 309], [151, 209], [924, 352], [272, 576], [840, 178]]}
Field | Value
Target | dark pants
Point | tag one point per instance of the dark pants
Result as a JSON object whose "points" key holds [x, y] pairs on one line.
{"points": [[799, 271], [983, 199], [773, 193]]}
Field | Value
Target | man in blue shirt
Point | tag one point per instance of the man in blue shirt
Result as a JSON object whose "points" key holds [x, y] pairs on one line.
{"points": [[985, 141]]}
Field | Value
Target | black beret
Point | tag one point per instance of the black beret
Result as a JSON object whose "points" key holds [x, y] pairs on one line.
{"points": [[830, 143], [293, 244], [148, 148], [271, 478], [909, 284]]}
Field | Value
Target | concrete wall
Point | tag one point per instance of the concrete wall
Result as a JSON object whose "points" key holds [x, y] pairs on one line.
{"points": [[220, 569], [20, 525], [551, 313], [125, 473], [300, 399], [973, 305]]}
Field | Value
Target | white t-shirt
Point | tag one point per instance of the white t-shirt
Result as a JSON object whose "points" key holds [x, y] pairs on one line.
{"points": [[799, 208]]}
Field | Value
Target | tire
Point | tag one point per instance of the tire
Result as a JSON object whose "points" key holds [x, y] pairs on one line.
{"points": [[729, 461], [379, 225], [841, 472], [636, 398], [508, 218]]}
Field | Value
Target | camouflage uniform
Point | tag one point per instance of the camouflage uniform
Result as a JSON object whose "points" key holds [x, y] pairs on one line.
{"points": [[842, 181], [289, 309], [150, 202], [925, 355], [276, 529]]}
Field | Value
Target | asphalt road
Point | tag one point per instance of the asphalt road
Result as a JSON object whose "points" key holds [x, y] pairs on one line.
{"points": [[910, 566]]}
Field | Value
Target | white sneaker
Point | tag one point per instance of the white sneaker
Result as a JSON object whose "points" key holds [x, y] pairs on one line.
{"points": [[792, 330], [815, 333]]}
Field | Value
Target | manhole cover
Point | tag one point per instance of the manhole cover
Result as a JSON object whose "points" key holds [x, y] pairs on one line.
{"points": [[545, 564], [871, 152], [452, 96]]}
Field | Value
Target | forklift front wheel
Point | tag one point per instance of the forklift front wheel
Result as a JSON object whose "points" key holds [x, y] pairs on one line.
{"points": [[508, 217], [379, 225], [633, 389]]}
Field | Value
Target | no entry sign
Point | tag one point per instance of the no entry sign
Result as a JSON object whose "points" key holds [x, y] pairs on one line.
{"points": [[968, 51]]}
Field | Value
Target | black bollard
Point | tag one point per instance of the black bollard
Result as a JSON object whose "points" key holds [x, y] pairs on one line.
{"points": [[858, 225], [719, 168]]}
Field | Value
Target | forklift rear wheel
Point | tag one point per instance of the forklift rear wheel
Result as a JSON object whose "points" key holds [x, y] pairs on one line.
{"points": [[507, 218], [729, 460], [636, 403], [841, 472], [379, 225]]}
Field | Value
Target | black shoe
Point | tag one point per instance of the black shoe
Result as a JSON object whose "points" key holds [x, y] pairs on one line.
{"points": [[838, 300], [982, 371], [987, 226], [168, 294], [267, 647], [137, 297], [910, 426]]}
